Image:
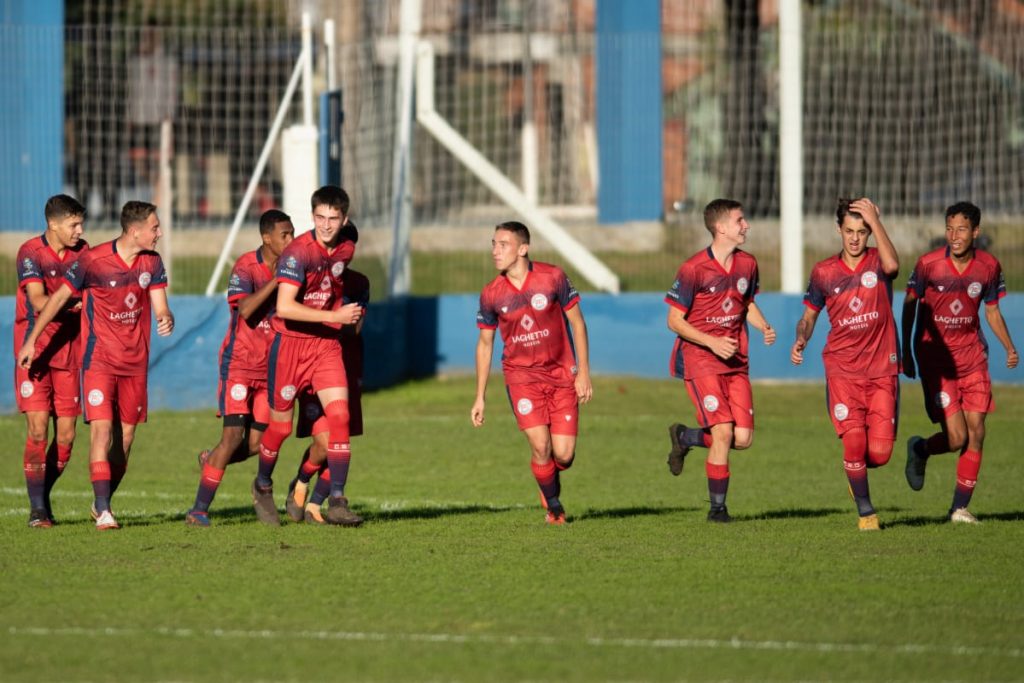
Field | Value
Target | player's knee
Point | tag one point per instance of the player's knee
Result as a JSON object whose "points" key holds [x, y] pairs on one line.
{"points": [[36, 433], [276, 433], [879, 452], [231, 438], [742, 439], [337, 415], [65, 436], [564, 461]]}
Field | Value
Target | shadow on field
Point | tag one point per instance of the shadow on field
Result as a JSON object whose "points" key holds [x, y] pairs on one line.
{"points": [[432, 512], [795, 513], [922, 520], [633, 511]]}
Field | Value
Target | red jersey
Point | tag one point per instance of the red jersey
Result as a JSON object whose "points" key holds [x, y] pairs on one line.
{"points": [[948, 333], [318, 275], [57, 346], [243, 354], [116, 308], [715, 302], [862, 342], [538, 345]]}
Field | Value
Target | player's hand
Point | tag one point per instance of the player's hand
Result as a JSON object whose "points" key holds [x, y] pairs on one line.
{"points": [[25, 356], [1012, 358], [165, 325], [584, 389], [477, 413], [909, 369], [796, 354], [77, 308], [723, 347], [769, 335], [866, 208], [349, 314]]}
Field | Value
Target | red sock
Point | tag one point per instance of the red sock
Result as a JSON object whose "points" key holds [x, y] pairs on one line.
{"points": [[967, 468], [718, 483], [99, 474], [34, 464], [545, 474], [879, 452]]}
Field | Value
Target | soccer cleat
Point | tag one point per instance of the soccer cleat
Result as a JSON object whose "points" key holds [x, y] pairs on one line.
{"points": [[868, 523], [719, 515], [263, 503], [314, 515], [296, 500], [92, 512], [963, 516], [203, 457], [197, 518], [39, 519], [677, 456], [105, 520], [555, 516], [338, 512], [915, 464]]}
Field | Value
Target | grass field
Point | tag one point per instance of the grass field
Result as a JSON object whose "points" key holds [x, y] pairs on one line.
{"points": [[456, 577]]}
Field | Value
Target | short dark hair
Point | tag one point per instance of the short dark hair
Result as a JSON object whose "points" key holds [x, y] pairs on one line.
{"points": [[717, 208], [843, 210], [270, 218], [332, 196], [968, 210], [135, 212], [520, 230], [61, 206]]}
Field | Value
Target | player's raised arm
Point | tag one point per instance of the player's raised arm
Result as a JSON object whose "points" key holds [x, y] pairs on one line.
{"points": [[804, 330], [723, 347], [484, 351], [756, 318], [584, 388], [50, 310], [886, 251]]}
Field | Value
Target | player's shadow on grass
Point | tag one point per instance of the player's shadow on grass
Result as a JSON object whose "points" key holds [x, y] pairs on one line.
{"points": [[432, 512], [631, 511], [928, 520], [792, 513]]}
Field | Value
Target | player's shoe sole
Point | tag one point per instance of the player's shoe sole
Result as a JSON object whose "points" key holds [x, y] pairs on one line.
{"points": [[197, 518], [719, 515], [296, 508], [963, 516], [677, 456], [339, 514], [263, 504], [105, 521], [915, 464], [868, 523], [39, 519]]}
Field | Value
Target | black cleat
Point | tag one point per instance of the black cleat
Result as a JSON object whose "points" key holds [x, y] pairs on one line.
{"points": [[677, 456], [39, 519], [338, 512], [720, 515], [263, 503]]}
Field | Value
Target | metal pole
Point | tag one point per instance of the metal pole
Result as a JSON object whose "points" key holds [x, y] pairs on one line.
{"points": [[529, 139], [332, 72], [791, 168], [307, 69]]}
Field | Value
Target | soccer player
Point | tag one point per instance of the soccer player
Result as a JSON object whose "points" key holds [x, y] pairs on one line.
{"points": [[546, 381], [242, 391], [123, 284], [710, 302], [861, 354], [311, 421], [306, 351], [50, 385], [944, 295]]}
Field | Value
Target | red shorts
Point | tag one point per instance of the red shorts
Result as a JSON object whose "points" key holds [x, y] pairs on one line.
{"points": [[50, 390], [299, 363], [545, 404], [243, 397], [945, 396], [871, 404], [311, 415], [102, 391], [722, 398]]}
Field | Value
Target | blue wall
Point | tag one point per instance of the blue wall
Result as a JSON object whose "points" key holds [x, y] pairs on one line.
{"points": [[32, 114], [629, 110], [424, 336]]}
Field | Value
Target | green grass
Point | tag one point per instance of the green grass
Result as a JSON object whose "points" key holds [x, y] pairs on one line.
{"points": [[455, 576]]}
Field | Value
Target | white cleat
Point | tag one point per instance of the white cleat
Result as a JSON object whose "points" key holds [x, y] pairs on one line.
{"points": [[963, 516], [105, 520]]}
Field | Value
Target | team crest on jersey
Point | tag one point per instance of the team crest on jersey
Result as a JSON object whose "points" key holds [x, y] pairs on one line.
{"points": [[95, 397], [527, 323], [711, 403], [144, 279], [131, 300], [840, 411], [869, 279], [27, 388], [235, 280], [28, 266], [288, 392], [337, 269], [956, 307], [291, 262], [539, 302], [856, 304], [524, 406], [942, 399], [741, 285], [238, 392], [325, 284], [974, 289]]}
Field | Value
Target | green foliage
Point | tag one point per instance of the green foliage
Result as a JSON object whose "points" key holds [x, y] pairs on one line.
{"points": [[456, 577]]}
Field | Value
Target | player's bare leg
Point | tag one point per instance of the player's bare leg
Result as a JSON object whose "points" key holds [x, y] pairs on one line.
{"points": [[717, 469], [34, 462], [952, 438], [59, 454]]}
